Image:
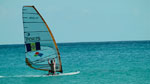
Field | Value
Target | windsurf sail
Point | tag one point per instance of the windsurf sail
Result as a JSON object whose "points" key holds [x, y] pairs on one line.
{"points": [[40, 45]]}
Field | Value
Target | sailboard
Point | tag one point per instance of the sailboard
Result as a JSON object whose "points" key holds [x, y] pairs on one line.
{"points": [[33, 76], [40, 45]]}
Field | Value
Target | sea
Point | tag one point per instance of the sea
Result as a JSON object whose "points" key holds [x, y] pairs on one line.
{"points": [[121, 62]]}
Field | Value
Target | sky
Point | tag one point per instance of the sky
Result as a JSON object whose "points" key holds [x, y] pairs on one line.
{"points": [[80, 20]]}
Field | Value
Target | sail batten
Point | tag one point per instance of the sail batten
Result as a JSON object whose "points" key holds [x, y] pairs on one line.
{"points": [[34, 31], [40, 44], [33, 22], [28, 13]]}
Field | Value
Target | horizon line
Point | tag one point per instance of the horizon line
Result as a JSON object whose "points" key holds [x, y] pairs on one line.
{"points": [[81, 42]]}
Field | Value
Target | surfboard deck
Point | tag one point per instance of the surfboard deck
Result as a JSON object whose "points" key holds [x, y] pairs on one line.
{"points": [[61, 74]]}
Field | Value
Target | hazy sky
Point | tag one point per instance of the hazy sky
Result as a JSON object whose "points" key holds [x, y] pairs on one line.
{"points": [[80, 20]]}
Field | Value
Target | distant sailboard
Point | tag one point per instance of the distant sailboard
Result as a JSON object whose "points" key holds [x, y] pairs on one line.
{"points": [[40, 45], [60, 74]]}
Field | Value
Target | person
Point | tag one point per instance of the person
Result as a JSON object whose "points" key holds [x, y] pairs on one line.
{"points": [[52, 66]]}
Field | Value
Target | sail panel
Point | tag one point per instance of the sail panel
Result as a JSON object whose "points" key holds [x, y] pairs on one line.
{"points": [[34, 27], [40, 45]]}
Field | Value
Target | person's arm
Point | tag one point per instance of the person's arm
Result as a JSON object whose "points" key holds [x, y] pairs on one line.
{"points": [[49, 62]]}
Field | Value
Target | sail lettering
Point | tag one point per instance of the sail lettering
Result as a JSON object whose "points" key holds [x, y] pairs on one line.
{"points": [[31, 39]]}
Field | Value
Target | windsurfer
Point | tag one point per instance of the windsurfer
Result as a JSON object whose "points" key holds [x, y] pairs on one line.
{"points": [[52, 66]]}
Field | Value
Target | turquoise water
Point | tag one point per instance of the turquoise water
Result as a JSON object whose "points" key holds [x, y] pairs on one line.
{"points": [[98, 63]]}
